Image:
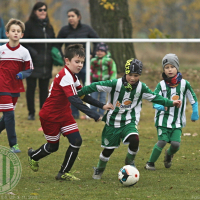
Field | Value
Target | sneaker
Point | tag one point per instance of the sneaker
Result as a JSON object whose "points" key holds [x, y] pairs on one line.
{"points": [[85, 117], [150, 166], [31, 117], [168, 160], [66, 177], [15, 149], [33, 164], [98, 172]]}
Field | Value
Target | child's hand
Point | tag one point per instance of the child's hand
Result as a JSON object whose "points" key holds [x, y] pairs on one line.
{"points": [[194, 116], [108, 107], [100, 118], [177, 103], [19, 76]]}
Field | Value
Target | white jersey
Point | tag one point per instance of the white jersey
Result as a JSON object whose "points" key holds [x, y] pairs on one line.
{"points": [[174, 117]]}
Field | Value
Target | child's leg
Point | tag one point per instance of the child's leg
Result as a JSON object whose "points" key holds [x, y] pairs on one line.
{"points": [[157, 149], [174, 147], [104, 158], [75, 141], [9, 120], [132, 149], [44, 151]]}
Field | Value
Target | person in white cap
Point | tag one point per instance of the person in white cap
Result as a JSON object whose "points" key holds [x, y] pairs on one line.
{"points": [[169, 121]]}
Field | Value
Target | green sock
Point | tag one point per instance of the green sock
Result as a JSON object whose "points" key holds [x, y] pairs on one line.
{"points": [[171, 151], [155, 153], [129, 159], [101, 164]]}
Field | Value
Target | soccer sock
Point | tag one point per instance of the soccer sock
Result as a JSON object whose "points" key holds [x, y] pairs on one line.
{"points": [[9, 119], [102, 161], [172, 150], [155, 153], [40, 153], [130, 156], [69, 159]]}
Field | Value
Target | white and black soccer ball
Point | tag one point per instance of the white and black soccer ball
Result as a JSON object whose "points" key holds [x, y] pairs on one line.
{"points": [[128, 175]]}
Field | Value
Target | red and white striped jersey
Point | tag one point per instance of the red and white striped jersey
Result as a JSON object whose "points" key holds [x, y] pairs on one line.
{"points": [[57, 106], [13, 61]]}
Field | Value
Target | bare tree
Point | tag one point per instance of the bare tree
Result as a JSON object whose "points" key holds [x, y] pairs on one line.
{"points": [[111, 20]]}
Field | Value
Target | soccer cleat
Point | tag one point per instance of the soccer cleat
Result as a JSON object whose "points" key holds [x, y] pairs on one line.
{"points": [[33, 164], [66, 177], [98, 173], [168, 160], [15, 149], [150, 166]]}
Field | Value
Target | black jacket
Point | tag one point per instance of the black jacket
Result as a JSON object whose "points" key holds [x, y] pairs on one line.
{"points": [[81, 31], [40, 52]]}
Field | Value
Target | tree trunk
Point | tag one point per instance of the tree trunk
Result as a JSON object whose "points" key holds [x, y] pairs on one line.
{"points": [[113, 22]]}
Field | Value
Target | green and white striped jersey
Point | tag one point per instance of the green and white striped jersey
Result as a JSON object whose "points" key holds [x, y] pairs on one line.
{"points": [[174, 117], [127, 104]]}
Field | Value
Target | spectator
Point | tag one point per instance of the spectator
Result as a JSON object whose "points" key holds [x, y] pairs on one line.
{"points": [[2, 30], [15, 65], [75, 29], [102, 68], [38, 26]]}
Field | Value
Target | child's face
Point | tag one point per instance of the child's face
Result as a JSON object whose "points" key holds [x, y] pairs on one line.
{"points": [[101, 53], [15, 33], [132, 78], [76, 64], [170, 70]]}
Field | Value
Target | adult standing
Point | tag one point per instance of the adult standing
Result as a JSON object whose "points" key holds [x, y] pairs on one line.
{"points": [[2, 30], [75, 29], [38, 26]]}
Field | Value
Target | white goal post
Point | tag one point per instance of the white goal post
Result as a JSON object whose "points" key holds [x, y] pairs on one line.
{"points": [[106, 40]]}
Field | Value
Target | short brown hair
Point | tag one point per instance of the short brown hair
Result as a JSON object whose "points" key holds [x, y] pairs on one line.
{"points": [[74, 50], [16, 22]]}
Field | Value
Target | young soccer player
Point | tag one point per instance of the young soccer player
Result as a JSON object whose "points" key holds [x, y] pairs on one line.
{"points": [[169, 121], [126, 95], [15, 65], [56, 115]]}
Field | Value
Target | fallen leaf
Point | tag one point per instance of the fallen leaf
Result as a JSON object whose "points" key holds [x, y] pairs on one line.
{"points": [[186, 134], [34, 194], [11, 193]]}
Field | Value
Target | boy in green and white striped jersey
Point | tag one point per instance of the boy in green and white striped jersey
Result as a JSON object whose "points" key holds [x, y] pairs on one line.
{"points": [[169, 121], [126, 95]]}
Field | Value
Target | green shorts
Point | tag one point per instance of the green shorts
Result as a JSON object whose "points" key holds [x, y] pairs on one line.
{"points": [[111, 137], [169, 134]]}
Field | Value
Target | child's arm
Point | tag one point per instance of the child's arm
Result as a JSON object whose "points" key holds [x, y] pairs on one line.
{"points": [[195, 112], [193, 100], [158, 99], [24, 74], [76, 101], [96, 103], [101, 86]]}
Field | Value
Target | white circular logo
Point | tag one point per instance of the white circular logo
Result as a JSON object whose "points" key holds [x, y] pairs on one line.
{"points": [[10, 170]]}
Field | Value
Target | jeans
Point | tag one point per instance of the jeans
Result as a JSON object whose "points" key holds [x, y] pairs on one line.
{"points": [[100, 96]]}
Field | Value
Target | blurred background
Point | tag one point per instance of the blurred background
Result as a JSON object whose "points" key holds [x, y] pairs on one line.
{"points": [[127, 19]]}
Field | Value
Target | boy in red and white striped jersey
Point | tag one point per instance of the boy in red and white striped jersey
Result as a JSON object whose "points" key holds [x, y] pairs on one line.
{"points": [[15, 65], [56, 115]]}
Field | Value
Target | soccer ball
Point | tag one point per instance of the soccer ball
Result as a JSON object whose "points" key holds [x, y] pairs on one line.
{"points": [[128, 175]]}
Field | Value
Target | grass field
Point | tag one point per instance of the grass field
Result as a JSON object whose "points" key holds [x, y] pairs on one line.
{"points": [[181, 181]]}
